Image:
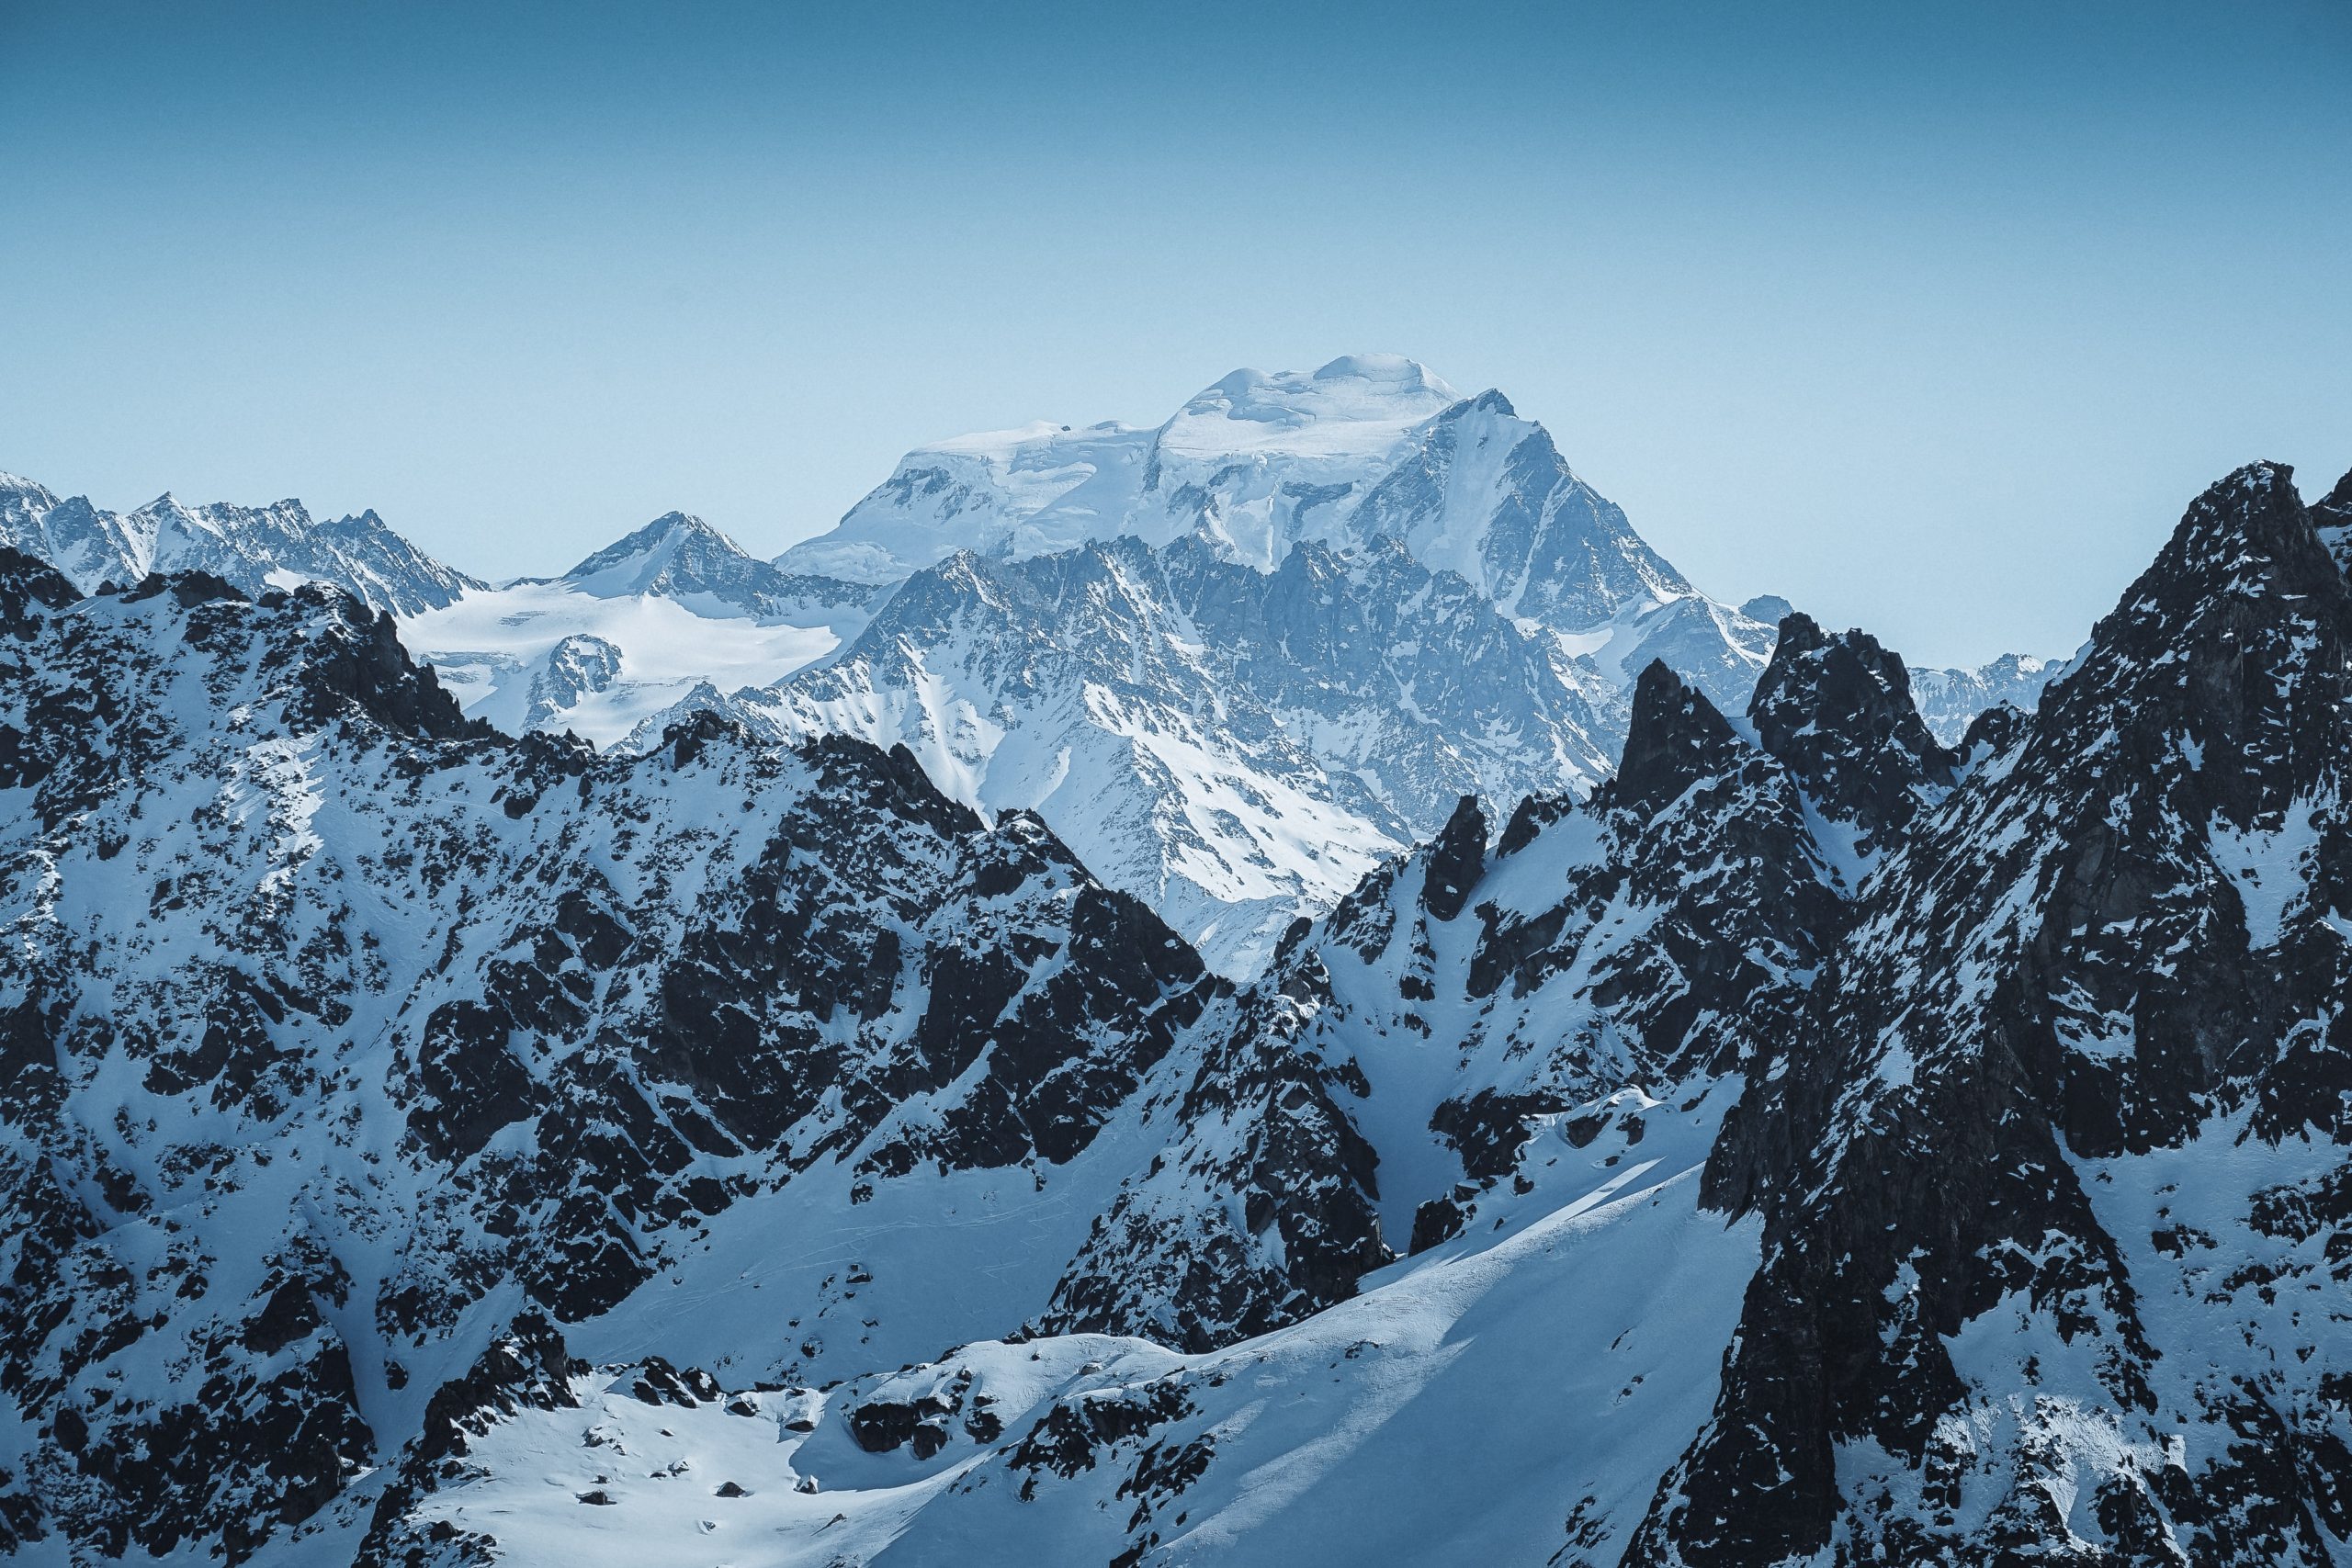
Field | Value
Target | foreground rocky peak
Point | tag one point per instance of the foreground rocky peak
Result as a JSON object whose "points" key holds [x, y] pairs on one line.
{"points": [[2055, 1224], [1675, 740]]}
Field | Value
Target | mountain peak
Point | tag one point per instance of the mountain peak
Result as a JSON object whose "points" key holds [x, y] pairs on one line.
{"points": [[1674, 737], [2340, 498], [1837, 712], [1384, 369], [2248, 536], [661, 538], [2332, 513]]}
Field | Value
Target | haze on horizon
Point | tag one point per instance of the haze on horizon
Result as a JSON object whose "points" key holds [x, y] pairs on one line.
{"points": [[1932, 324]]}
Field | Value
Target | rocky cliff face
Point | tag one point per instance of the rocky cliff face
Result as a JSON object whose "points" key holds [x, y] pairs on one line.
{"points": [[2050, 1271]]}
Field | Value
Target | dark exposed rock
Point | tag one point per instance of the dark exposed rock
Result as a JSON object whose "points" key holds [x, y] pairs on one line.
{"points": [[1456, 860], [2063, 966], [1837, 712]]}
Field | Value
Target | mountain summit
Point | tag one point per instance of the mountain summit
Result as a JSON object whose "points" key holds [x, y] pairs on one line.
{"points": [[1247, 462], [1322, 607]]}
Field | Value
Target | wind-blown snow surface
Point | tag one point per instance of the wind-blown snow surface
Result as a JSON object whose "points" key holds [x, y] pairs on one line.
{"points": [[1497, 1402], [1258, 459]]}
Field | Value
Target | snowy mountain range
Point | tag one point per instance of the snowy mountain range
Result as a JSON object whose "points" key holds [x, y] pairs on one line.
{"points": [[252, 546], [1819, 1140], [1234, 661]]}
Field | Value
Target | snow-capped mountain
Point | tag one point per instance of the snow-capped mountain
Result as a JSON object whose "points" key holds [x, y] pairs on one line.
{"points": [[1820, 1143], [252, 547], [634, 631], [1235, 658], [1370, 448]]}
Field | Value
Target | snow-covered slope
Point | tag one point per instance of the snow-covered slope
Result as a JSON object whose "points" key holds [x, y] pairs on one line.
{"points": [[1503, 1406], [252, 546], [631, 632], [1233, 747]]}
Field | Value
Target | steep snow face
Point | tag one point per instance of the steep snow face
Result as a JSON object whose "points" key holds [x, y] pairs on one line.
{"points": [[280, 546], [634, 631], [250, 548], [1484, 494], [1235, 748]]}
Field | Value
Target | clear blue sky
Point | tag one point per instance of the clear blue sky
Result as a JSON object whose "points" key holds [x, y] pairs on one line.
{"points": [[1931, 317]]}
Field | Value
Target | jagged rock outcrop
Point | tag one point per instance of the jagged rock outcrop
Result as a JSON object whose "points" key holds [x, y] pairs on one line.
{"points": [[2047, 1272]]}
